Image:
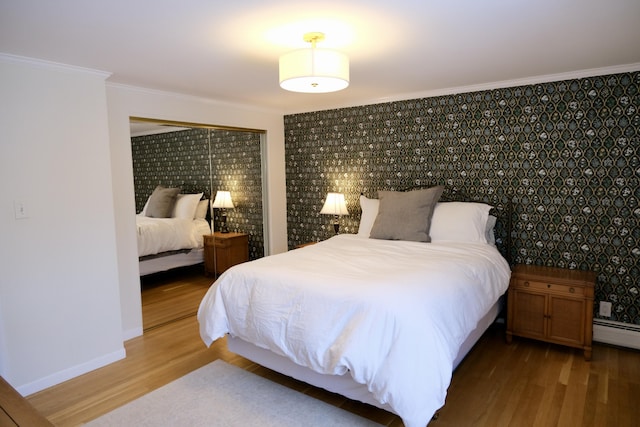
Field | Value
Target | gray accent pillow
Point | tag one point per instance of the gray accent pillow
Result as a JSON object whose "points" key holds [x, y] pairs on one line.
{"points": [[406, 215], [161, 202]]}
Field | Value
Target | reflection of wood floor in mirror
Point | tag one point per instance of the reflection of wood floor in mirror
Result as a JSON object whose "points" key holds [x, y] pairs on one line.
{"points": [[171, 296]]}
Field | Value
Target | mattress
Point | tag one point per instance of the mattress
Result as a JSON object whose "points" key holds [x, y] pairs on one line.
{"points": [[169, 262]]}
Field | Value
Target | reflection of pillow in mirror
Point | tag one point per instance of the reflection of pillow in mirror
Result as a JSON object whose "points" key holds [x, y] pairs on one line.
{"points": [[405, 215], [144, 209], [186, 204], [161, 202], [369, 212], [201, 210], [460, 222]]}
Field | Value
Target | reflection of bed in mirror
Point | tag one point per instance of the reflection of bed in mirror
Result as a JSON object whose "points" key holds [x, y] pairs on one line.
{"points": [[169, 260], [376, 318], [171, 238]]}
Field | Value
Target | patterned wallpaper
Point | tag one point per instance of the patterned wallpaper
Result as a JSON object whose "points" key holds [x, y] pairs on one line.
{"points": [[181, 159], [566, 153]]}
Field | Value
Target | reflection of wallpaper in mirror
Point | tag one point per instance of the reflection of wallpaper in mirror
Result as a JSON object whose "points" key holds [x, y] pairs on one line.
{"points": [[181, 159]]}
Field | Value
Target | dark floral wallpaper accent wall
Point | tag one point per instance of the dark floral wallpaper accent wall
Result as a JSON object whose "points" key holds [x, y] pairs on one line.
{"points": [[566, 154], [181, 159]]}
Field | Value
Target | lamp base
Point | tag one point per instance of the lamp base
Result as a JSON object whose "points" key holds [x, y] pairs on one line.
{"points": [[224, 229], [336, 224]]}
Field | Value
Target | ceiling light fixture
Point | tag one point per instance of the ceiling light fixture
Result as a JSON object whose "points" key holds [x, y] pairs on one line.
{"points": [[314, 70]]}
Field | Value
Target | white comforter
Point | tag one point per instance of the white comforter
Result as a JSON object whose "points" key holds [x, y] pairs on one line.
{"points": [[391, 313], [156, 235]]}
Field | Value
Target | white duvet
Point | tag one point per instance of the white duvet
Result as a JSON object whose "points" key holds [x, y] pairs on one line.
{"points": [[391, 313], [156, 235]]}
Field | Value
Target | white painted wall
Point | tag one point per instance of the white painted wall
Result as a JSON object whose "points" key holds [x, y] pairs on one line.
{"points": [[59, 296], [125, 102], [69, 285]]}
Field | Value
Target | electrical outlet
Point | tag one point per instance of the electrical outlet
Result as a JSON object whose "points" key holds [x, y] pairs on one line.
{"points": [[605, 309]]}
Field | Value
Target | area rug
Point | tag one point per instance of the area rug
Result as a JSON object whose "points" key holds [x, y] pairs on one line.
{"points": [[220, 394]]}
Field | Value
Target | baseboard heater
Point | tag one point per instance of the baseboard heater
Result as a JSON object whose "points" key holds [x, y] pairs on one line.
{"points": [[616, 333]]}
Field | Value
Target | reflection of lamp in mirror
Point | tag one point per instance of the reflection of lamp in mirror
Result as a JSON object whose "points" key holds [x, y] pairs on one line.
{"points": [[223, 202], [336, 206]]}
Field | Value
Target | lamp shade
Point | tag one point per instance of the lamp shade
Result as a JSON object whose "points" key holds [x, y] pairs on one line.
{"points": [[334, 205], [314, 71], [223, 200]]}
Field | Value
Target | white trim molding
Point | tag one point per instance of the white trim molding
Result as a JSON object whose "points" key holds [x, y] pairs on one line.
{"points": [[72, 372], [616, 333], [502, 84], [41, 63]]}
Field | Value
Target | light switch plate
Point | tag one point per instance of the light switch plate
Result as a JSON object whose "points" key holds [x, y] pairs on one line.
{"points": [[20, 209]]}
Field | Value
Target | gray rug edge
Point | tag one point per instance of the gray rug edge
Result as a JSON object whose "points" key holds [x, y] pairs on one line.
{"points": [[225, 395]]}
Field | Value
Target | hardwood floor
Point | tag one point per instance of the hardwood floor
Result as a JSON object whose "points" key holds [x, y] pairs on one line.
{"points": [[167, 297], [526, 383]]}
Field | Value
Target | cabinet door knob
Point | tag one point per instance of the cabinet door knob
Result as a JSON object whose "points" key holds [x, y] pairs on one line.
{"points": [[571, 290], [526, 284], [548, 285]]}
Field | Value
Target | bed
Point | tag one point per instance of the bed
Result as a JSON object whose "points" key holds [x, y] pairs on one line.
{"points": [[374, 317], [171, 237]]}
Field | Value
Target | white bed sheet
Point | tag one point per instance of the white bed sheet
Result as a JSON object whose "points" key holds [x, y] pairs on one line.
{"points": [[344, 384], [393, 314], [157, 235]]}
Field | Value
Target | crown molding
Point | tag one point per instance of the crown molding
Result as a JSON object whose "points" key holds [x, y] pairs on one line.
{"points": [[191, 98], [56, 66], [547, 78]]}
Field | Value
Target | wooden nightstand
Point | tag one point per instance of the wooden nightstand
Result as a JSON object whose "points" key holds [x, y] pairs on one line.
{"points": [[224, 250], [551, 304], [302, 245]]}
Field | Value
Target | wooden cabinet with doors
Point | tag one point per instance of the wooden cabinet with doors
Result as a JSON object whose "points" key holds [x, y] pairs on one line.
{"points": [[551, 304], [224, 250]]}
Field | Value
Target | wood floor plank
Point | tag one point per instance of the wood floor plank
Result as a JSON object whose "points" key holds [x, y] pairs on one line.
{"points": [[547, 377]]}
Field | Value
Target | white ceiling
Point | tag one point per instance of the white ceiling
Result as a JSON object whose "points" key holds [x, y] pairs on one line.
{"points": [[399, 49]]}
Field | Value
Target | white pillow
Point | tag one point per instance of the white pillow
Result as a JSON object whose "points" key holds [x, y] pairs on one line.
{"points": [[369, 213], [490, 235], [460, 222], [186, 205], [201, 210]]}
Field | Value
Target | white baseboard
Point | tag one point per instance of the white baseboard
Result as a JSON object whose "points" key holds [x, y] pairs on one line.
{"points": [[616, 333], [69, 373]]}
